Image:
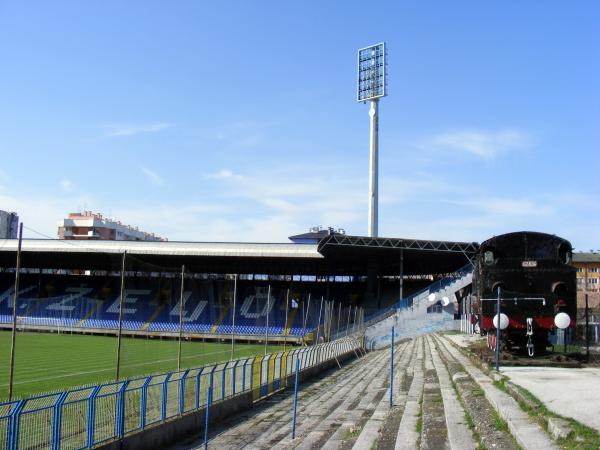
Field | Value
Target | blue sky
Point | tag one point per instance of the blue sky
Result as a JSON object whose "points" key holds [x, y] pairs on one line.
{"points": [[238, 121]]}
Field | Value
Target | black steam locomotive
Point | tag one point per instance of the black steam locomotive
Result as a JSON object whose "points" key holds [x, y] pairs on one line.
{"points": [[533, 276]]}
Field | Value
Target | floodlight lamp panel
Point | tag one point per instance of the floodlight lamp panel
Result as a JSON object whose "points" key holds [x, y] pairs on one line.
{"points": [[372, 72]]}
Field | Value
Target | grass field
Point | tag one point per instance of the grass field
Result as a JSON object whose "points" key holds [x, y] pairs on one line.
{"points": [[46, 362]]}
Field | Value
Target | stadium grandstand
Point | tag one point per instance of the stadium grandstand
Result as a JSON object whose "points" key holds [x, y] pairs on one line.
{"points": [[76, 286], [131, 334]]}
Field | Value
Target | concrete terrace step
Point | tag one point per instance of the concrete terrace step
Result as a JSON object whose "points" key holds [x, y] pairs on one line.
{"points": [[270, 420], [481, 411], [370, 433], [408, 436], [459, 435], [357, 402], [528, 434], [434, 434], [350, 407]]}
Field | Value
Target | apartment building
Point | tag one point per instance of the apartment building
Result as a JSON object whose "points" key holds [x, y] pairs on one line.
{"points": [[588, 278], [87, 225]]}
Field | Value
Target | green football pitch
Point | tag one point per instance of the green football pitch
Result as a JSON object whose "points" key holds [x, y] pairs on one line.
{"points": [[49, 362]]}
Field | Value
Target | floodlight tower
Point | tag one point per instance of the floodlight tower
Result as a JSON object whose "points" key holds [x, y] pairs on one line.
{"points": [[372, 85]]}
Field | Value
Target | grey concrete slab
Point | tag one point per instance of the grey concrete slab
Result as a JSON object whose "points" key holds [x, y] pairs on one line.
{"points": [[569, 392], [372, 429], [464, 340], [407, 432], [529, 435], [459, 435]]}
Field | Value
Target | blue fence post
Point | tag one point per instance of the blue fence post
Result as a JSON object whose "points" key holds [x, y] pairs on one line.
{"points": [[290, 362], [91, 416], [198, 375], [144, 403], [13, 425], [207, 411], [233, 376], [57, 421], [251, 373], [267, 380], [182, 392], [224, 372], [295, 398], [211, 381], [392, 370], [244, 376], [163, 406], [120, 425]]}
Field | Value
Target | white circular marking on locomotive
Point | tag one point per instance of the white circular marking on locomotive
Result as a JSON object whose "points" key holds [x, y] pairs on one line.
{"points": [[431, 297], [445, 301]]}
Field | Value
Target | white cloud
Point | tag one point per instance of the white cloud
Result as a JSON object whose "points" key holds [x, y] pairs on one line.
{"points": [[242, 135], [66, 185], [222, 174], [3, 179], [119, 130], [154, 178], [510, 206], [42, 212], [484, 144]]}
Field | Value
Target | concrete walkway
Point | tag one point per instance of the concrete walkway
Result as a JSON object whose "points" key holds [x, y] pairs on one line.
{"points": [[569, 392]]}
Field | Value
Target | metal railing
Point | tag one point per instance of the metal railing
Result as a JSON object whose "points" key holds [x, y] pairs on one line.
{"points": [[407, 301], [85, 417]]}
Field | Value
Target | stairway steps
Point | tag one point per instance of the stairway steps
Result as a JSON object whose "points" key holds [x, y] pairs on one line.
{"points": [[408, 436], [434, 435], [528, 434], [364, 391], [371, 431], [459, 435]]}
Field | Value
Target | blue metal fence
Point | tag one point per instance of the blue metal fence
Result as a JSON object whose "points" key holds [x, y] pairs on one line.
{"points": [[85, 417]]}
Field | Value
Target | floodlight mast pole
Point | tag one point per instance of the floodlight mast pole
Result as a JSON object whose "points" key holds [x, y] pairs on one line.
{"points": [[371, 86], [374, 168]]}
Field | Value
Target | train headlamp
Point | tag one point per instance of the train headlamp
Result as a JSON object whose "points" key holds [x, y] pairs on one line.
{"points": [[503, 321], [562, 320]]}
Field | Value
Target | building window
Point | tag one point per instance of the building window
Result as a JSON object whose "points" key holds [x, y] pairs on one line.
{"points": [[578, 269], [594, 269]]}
